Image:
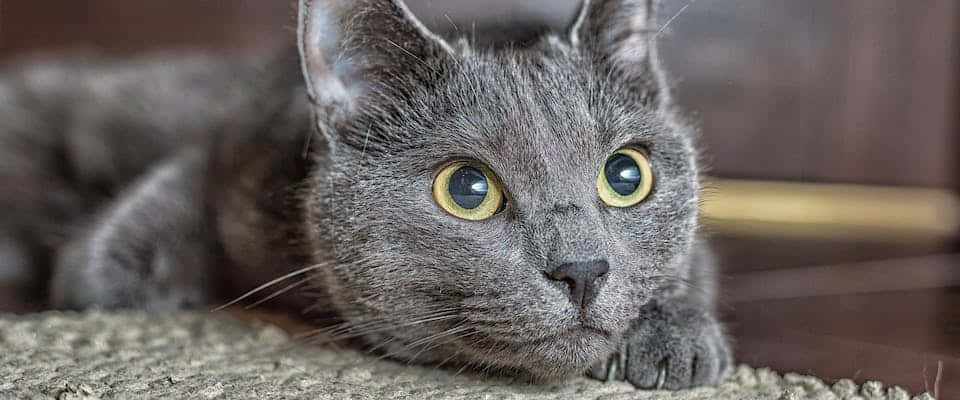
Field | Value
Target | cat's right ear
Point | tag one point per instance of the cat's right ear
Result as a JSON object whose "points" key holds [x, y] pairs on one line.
{"points": [[353, 51], [622, 33]]}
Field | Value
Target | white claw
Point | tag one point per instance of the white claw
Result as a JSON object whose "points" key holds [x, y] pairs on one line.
{"points": [[612, 366], [662, 373]]}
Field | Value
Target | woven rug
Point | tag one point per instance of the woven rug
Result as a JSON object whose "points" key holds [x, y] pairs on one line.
{"points": [[99, 355]]}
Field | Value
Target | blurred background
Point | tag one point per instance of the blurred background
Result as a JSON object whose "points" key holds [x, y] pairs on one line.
{"points": [[830, 129]]}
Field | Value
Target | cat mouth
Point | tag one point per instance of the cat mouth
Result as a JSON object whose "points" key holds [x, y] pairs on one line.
{"points": [[577, 340], [576, 331], [583, 329]]}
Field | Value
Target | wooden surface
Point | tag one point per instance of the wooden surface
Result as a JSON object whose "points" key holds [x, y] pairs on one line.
{"points": [[125, 26], [857, 91], [885, 333]]}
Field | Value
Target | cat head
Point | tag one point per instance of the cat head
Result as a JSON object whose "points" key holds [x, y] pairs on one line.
{"points": [[509, 208]]}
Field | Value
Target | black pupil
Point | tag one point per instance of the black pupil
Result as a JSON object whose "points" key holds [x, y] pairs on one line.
{"points": [[468, 187], [623, 174]]}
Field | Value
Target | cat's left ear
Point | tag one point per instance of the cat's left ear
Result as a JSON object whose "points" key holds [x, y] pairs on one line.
{"points": [[356, 51], [622, 34]]}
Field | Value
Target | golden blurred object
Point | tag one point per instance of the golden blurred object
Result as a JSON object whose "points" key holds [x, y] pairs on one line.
{"points": [[832, 211]]}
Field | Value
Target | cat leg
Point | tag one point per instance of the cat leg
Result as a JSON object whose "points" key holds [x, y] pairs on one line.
{"points": [[674, 343], [150, 249]]}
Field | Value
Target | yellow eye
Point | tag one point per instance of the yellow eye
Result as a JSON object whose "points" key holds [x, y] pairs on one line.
{"points": [[468, 191], [626, 178]]}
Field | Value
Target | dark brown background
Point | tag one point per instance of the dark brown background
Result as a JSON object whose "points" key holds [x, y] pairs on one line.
{"points": [[853, 91]]}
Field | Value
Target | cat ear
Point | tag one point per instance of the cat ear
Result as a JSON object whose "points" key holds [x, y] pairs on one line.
{"points": [[622, 33], [350, 49]]}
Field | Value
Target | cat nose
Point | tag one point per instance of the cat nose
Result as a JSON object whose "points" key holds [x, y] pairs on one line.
{"points": [[581, 277]]}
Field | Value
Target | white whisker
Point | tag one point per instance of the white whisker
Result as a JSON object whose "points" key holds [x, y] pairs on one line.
{"points": [[425, 341], [269, 284], [347, 330], [355, 333], [407, 52], [366, 139], [669, 21], [454, 335], [277, 293]]}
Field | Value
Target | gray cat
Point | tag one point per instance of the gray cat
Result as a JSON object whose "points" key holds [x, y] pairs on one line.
{"points": [[527, 209]]}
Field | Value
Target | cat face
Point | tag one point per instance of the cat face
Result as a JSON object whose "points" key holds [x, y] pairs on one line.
{"points": [[425, 282]]}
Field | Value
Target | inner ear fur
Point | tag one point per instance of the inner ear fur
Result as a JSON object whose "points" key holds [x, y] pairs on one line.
{"points": [[622, 35], [351, 48]]}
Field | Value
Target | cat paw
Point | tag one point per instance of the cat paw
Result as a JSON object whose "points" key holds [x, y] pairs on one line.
{"points": [[669, 350], [128, 273], [150, 249]]}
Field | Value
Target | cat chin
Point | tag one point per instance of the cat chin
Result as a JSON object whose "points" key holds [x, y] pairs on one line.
{"points": [[560, 356], [555, 357]]}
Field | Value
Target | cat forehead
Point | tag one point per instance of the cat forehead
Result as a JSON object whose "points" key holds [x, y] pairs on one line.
{"points": [[520, 111], [521, 105]]}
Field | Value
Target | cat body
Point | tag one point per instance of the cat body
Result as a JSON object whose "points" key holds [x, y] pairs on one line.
{"points": [[83, 135], [166, 185]]}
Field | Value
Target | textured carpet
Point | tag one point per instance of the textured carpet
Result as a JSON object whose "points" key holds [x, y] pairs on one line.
{"points": [[199, 355]]}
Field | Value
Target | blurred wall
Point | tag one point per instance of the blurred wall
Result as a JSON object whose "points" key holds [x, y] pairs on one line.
{"points": [[824, 90], [849, 91]]}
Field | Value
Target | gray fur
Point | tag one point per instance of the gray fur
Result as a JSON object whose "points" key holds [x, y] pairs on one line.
{"points": [[392, 103]]}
